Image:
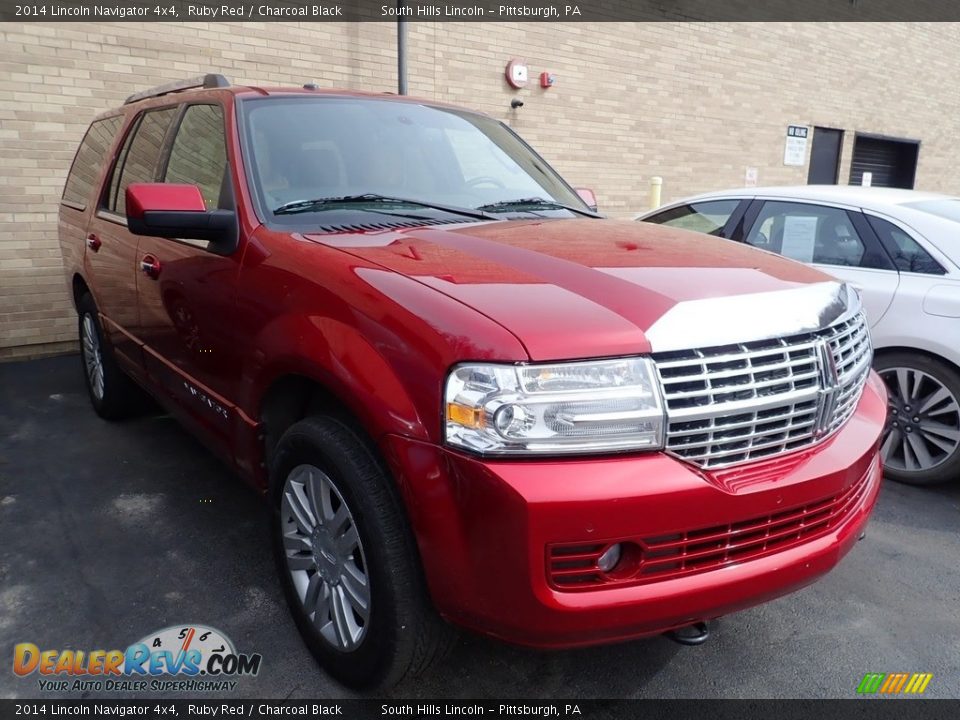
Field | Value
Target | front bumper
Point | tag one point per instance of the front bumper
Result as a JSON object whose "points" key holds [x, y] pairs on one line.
{"points": [[484, 527]]}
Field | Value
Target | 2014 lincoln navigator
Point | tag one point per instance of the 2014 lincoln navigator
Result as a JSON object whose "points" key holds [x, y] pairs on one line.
{"points": [[469, 399]]}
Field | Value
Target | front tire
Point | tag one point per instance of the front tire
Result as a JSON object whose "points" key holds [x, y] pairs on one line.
{"points": [[921, 444], [347, 559], [112, 394]]}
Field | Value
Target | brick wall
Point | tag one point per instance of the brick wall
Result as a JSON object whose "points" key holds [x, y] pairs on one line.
{"points": [[695, 103]]}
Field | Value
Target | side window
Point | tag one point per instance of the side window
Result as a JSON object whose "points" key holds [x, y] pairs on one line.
{"points": [[906, 252], [812, 234], [89, 159], [138, 159], [706, 217], [199, 153]]}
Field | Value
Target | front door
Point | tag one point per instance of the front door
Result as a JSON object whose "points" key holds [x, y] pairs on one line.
{"points": [[832, 239], [186, 294]]}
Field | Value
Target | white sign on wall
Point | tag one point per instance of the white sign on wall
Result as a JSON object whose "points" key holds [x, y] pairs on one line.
{"points": [[795, 149], [750, 177]]}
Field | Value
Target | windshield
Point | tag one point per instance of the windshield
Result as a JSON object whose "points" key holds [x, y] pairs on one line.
{"points": [[313, 148]]}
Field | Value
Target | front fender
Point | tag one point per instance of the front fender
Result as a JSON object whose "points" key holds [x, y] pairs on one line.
{"points": [[344, 362], [378, 341]]}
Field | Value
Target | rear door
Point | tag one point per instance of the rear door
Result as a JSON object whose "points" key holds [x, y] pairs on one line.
{"points": [[834, 239], [111, 262], [79, 201], [187, 301]]}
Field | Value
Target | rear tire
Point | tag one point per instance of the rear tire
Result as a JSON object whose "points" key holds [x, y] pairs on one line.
{"points": [[921, 444], [113, 395], [347, 559]]}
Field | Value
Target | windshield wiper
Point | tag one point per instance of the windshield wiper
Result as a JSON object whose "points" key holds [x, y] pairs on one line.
{"points": [[298, 206], [534, 203]]}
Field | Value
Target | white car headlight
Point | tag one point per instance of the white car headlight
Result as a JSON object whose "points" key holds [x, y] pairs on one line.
{"points": [[577, 407]]}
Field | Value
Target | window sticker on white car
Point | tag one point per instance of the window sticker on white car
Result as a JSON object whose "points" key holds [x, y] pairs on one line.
{"points": [[799, 237]]}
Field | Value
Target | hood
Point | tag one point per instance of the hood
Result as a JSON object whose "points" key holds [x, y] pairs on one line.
{"points": [[589, 288]]}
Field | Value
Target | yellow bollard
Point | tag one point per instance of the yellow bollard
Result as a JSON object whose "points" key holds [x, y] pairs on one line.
{"points": [[656, 183]]}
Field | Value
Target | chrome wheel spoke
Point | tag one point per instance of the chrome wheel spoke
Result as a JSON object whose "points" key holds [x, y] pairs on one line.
{"points": [[300, 562], [294, 542], [321, 610], [313, 489], [348, 630], [339, 617], [890, 443], [355, 574], [349, 541], [920, 451], [325, 506], [294, 505], [951, 435], [938, 442], [356, 595], [903, 384], [931, 401], [339, 520], [313, 593]]}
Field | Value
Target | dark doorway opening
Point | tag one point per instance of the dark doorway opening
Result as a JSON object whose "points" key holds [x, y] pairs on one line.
{"points": [[825, 156], [892, 162]]}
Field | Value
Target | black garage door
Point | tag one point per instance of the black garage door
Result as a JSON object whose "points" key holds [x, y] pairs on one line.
{"points": [[893, 163]]}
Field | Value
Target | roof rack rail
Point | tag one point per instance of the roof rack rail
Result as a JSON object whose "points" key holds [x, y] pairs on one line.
{"points": [[210, 80]]}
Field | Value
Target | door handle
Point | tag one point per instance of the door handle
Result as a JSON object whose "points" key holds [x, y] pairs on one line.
{"points": [[93, 242], [150, 266]]}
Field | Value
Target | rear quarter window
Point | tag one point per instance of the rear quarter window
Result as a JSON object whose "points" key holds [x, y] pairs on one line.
{"points": [[906, 252], [83, 175]]}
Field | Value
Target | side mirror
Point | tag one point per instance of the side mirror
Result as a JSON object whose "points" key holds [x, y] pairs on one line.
{"points": [[588, 196], [177, 211]]}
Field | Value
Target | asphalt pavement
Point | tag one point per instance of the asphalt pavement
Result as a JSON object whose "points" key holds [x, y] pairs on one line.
{"points": [[111, 531]]}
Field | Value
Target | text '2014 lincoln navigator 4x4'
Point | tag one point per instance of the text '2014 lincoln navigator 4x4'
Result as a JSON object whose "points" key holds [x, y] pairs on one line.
{"points": [[469, 399]]}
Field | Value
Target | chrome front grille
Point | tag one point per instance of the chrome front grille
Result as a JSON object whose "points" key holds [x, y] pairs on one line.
{"points": [[736, 403]]}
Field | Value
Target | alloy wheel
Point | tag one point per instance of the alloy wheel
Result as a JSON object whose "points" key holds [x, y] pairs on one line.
{"points": [[325, 557], [92, 357], [923, 425]]}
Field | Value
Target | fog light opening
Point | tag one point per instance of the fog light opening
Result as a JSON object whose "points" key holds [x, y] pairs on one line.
{"points": [[610, 558]]}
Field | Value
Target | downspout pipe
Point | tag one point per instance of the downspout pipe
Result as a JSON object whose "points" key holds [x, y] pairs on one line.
{"points": [[401, 51]]}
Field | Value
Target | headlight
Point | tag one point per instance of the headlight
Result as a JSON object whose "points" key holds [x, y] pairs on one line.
{"points": [[582, 407]]}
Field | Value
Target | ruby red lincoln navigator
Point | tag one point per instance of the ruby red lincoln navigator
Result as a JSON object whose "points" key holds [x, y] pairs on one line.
{"points": [[468, 398]]}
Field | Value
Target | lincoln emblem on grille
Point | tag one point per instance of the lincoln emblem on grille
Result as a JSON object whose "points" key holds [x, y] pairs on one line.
{"points": [[829, 388]]}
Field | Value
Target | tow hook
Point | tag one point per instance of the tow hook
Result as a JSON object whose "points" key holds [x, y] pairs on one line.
{"points": [[695, 634]]}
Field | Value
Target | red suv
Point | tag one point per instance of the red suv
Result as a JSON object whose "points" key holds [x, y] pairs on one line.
{"points": [[467, 397]]}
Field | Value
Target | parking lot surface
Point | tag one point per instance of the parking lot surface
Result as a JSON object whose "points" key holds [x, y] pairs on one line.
{"points": [[110, 531]]}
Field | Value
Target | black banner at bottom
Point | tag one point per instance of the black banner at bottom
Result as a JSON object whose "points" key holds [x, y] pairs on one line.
{"points": [[881, 709]]}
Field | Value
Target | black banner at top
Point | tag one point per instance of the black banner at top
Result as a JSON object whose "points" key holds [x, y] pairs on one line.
{"points": [[499, 709], [478, 10]]}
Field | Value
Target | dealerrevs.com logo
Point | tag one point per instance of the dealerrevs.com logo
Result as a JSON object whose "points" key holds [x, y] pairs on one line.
{"points": [[180, 658]]}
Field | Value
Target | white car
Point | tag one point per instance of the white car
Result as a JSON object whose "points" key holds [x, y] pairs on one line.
{"points": [[901, 250]]}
